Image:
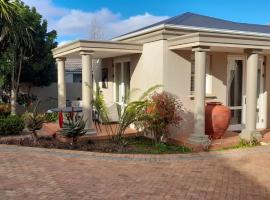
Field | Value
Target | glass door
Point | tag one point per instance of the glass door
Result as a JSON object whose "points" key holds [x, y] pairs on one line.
{"points": [[262, 97], [122, 83], [126, 78], [235, 92]]}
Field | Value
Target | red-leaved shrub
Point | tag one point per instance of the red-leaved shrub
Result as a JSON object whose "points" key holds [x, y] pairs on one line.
{"points": [[163, 111]]}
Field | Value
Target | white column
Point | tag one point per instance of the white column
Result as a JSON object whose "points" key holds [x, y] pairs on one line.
{"points": [[61, 82], [87, 87], [199, 137], [251, 100]]}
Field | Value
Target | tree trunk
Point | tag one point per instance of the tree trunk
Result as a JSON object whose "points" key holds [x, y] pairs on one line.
{"points": [[13, 100], [15, 83]]}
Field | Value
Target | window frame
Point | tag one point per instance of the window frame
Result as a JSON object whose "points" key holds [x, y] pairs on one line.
{"points": [[208, 74]]}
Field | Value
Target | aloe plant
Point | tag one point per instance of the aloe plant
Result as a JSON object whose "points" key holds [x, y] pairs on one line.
{"points": [[73, 128], [34, 121]]}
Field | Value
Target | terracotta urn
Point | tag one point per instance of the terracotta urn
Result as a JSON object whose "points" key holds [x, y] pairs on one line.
{"points": [[217, 119]]}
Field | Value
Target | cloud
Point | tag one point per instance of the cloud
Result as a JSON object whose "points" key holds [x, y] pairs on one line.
{"points": [[47, 8], [133, 23], [63, 42], [78, 24]]}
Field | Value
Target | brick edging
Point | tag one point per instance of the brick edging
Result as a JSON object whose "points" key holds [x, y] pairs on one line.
{"points": [[136, 157]]}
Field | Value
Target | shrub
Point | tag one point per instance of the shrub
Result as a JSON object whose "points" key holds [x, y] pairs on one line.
{"points": [[163, 110], [11, 125], [4, 109]]}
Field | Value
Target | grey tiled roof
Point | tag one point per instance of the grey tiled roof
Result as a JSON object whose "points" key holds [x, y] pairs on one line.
{"points": [[196, 20]]}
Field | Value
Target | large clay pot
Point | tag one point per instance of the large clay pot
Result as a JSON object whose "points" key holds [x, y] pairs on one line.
{"points": [[217, 119]]}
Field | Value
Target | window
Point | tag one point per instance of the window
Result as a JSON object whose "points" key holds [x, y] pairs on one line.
{"points": [[104, 76], [122, 81], [77, 78], [208, 84]]}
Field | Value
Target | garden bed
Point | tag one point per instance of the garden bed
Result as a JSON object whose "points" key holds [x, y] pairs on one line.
{"points": [[137, 145]]}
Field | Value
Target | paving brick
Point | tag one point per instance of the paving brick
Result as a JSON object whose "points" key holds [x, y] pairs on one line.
{"points": [[37, 174]]}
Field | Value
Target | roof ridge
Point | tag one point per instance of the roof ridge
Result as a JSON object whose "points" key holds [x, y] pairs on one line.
{"points": [[190, 19], [226, 20]]}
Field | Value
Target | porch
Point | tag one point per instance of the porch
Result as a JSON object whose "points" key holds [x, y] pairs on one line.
{"points": [[229, 140], [253, 51], [87, 51]]}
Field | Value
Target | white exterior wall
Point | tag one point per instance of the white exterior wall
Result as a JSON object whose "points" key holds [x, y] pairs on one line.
{"points": [[177, 74], [48, 95], [147, 69]]}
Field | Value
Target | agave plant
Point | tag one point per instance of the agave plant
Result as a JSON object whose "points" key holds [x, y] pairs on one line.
{"points": [[73, 128]]}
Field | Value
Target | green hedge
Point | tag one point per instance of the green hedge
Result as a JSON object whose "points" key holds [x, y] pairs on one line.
{"points": [[11, 125]]}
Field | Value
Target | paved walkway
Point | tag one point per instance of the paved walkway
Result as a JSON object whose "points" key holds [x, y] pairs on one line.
{"points": [[33, 174]]}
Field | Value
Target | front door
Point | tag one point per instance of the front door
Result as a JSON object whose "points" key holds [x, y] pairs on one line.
{"points": [[236, 94]]}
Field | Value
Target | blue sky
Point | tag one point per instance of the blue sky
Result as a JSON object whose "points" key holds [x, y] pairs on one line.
{"points": [[74, 19]]}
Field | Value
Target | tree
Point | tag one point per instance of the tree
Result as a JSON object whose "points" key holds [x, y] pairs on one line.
{"points": [[12, 25], [17, 44], [40, 69], [96, 32], [7, 19], [29, 58]]}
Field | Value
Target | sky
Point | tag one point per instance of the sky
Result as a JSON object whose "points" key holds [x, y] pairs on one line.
{"points": [[76, 19]]}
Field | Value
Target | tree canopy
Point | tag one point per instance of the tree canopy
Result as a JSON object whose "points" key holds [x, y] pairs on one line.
{"points": [[38, 66], [25, 48]]}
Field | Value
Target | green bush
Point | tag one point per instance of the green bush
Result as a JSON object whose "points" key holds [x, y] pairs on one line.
{"points": [[11, 125]]}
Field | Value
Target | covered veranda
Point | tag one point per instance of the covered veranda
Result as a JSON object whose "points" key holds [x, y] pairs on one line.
{"points": [[87, 51], [203, 44]]}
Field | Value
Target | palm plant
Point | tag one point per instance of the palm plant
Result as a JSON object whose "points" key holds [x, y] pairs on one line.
{"points": [[7, 18], [16, 38], [12, 25], [134, 113], [102, 110]]}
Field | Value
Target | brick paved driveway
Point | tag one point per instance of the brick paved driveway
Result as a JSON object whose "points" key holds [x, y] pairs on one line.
{"points": [[31, 173]]}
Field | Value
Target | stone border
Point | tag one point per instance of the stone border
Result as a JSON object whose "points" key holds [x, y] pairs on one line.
{"points": [[85, 155]]}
